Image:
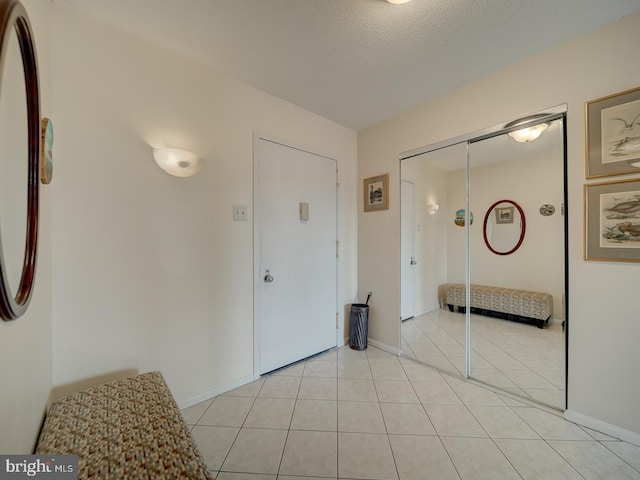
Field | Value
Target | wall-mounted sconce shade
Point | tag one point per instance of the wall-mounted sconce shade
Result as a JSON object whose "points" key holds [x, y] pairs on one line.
{"points": [[432, 208], [527, 134], [177, 162]]}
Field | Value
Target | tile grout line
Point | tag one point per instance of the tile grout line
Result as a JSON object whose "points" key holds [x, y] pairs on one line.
{"points": [[420, 400], [241, 427], [337, 421], [286, 439], [505, 352], [515, 409], [604, 444], [384, 422], [545, 440], [479, 424], [487, 433], [563, 458], [431, 422]]}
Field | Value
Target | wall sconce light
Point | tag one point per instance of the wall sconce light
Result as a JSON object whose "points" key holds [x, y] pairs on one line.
{"points": [[177, 162], [527, 134], [432, 208]]}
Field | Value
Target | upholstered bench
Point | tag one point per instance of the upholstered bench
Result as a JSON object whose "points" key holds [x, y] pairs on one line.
{"points": [[519, 305], [126, 429]]}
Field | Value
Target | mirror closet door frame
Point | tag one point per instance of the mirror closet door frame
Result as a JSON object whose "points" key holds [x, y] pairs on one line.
{"points": [[548, 115]]}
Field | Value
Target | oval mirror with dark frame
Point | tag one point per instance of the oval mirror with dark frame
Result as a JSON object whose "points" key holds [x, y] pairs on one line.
{"points": [[504, 227], [15, 293]]}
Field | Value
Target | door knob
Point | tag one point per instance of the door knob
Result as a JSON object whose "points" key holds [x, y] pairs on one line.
{"points": [[413, 261], [268, 278]]}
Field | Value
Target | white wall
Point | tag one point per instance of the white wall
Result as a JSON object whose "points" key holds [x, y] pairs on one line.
{"points": [[25, 343], [150, 270], [603, 302]]}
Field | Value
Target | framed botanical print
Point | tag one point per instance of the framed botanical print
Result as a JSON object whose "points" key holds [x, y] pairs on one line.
{"points": [[376, 193], [613, 134], [612, 221]]}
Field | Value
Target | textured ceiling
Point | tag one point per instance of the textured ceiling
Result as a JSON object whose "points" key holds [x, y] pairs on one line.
{"points": [[356, 62]]}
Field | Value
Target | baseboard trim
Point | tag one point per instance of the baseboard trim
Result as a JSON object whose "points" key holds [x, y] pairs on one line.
{"points": [[603, 427], [215, 392], [383, 346]]}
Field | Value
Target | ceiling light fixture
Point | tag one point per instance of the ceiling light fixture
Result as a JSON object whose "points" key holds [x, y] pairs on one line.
{"points": [[398, 2], [177, 162], [527, 134]]}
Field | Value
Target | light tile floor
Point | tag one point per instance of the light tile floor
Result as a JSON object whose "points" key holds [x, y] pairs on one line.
{"points": [[371, 415], [517, 357]]}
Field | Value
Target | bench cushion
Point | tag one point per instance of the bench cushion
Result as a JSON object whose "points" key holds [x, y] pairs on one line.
{"points": [[506, 300], [126, 429]]}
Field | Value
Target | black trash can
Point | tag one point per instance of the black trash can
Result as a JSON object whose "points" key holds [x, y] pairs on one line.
{"points": [[358, 326]]}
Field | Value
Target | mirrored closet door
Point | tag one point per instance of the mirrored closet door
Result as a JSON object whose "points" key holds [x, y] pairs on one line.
{"points": [[483, 224], [430, 333]]}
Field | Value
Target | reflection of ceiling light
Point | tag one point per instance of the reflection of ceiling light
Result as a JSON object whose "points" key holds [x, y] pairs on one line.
{"points": [[635, 164], [398, 2], [177, 162], [527, 134]]}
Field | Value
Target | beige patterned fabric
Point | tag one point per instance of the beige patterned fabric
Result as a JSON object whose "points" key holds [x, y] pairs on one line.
{"points": [[126, 429], [504, 300]]}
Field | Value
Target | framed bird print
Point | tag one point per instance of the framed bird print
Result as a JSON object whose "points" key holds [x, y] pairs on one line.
{"points": [[613, 134], [612, 221]]}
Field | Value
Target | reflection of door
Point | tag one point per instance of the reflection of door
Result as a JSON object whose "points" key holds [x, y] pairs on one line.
{"points": [[296, 285], [407, 254]]}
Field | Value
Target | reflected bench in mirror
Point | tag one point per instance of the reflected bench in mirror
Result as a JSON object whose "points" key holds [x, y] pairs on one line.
{"points": [[507, 303]]}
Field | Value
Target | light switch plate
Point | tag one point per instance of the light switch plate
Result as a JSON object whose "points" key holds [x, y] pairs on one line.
{"points": [[240, 213], [304, 211]]}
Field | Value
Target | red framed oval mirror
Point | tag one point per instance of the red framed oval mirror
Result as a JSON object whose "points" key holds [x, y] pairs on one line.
{"points": [[504, 227], [16, 290]]}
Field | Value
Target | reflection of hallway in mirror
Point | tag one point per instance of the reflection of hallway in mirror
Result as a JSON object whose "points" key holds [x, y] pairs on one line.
{"points": [[515, 357]]}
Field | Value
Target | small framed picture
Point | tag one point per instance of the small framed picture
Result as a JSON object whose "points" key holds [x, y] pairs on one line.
{"points": [[613, 134], [376, 193], [504, 215], [612, 221]]}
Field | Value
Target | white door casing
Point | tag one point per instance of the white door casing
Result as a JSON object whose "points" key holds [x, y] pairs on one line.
{"points": [[295, 222]]}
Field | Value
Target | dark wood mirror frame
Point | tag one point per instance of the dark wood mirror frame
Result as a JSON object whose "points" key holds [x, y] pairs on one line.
{"points": [[523, 227], [13, 18]]}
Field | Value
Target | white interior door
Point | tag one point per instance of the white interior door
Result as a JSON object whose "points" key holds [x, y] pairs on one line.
{"points": [[407, 253], [296, 235]]}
